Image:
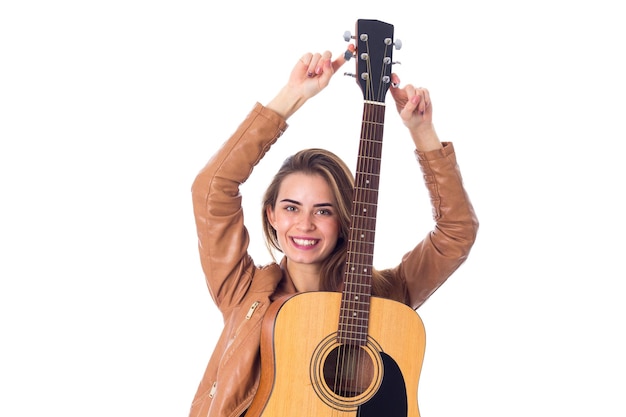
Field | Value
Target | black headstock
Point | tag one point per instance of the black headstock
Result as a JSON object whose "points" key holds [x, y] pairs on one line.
{"points": [[374, 54]]}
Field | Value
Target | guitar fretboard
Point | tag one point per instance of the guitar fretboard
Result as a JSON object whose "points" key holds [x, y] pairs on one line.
{"points": [[354, 312]]}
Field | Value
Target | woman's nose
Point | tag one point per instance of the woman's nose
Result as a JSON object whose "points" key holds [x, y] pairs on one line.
{"points": [[306, 222]]}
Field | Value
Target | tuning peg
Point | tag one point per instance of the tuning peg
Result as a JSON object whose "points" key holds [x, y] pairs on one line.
{"points": [[397, 44], [348, 55], [347, 36], [349, 74], [387, 61]]}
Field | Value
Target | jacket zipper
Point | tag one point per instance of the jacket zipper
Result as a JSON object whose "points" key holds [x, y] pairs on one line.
{"points": [[252, 308], [251, 311]]}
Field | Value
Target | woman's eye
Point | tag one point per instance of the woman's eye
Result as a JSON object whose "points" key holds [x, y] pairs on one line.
{"points": [[324, 212], [290, 208]]}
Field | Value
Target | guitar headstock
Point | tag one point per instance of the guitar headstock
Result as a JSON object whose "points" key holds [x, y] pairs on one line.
{"points": [[374, 53]]}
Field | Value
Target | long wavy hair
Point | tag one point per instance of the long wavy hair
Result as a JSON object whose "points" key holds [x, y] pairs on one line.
{"points": [[340, 179]]}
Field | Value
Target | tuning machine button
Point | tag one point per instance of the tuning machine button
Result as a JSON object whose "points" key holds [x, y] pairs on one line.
{"points": [[349, 54], [388, 61]]}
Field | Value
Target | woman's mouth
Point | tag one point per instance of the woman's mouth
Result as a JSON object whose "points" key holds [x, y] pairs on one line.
{"points": [[304, 242]]}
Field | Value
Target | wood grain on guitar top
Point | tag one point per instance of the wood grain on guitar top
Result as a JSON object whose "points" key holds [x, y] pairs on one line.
{"points": [[297, 342]]}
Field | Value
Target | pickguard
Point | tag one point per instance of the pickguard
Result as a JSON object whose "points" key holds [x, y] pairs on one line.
{"points": [[391, 398]]}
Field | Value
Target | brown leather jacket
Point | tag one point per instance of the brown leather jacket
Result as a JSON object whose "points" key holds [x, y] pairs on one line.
{"points": [[242, 291]]}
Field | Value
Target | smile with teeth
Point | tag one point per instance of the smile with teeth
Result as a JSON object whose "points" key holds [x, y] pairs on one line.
{"points": [[304, 242]]}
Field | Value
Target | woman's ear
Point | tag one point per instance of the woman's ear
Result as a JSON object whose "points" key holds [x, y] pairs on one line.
{"points": [[271, 217]]}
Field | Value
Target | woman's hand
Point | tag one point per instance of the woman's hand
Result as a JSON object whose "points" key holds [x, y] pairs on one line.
{"points": [[416, 111], [310, 75]]}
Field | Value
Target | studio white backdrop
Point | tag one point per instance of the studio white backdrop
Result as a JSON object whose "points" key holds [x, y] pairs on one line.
{"points": [[109, 109]]}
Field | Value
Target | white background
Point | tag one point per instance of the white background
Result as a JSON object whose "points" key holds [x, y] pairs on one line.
{"points": [[108, 109]]}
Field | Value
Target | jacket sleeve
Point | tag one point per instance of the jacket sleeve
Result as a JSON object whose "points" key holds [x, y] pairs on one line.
{"points": [[222, 237], [445, 248]]}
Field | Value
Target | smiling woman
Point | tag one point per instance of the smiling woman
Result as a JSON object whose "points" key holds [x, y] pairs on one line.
{"points": [[308, 211], [306, 215]]}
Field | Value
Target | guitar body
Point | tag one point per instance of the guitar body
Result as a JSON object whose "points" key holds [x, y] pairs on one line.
{"points": [[302, 359]]}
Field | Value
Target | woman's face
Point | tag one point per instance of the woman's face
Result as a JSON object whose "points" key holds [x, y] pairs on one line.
{"points": [[305, 218]]}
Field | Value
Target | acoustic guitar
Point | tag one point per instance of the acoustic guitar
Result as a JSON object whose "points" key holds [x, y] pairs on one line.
{"points": [[346, 354]]}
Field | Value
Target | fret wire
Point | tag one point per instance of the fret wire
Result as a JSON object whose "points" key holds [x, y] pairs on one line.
{"points": [[369, 205], [356, 288], [352, 304], [356, 312], [355, 252], [360, 232], [360, 309], [360, 276], [358, 303], [354, 339], [362, 229], [354, 265], [366, 188], [367, 177], [371, 201], [360, 318], [353, 247], [359, 209], [362, 284], [360, 321], [359, 326], [365, 218]]}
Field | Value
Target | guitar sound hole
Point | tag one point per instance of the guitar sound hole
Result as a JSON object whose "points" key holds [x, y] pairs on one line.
{"points": [[348, 370]]}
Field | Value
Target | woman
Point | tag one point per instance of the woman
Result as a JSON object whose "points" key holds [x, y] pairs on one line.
{"points": [[306, 216]]}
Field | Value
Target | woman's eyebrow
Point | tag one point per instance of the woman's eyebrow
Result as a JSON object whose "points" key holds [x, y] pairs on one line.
{"points": [[289, 200]]}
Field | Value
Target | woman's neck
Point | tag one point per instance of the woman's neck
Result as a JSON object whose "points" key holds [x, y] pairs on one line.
{"points": [[305, 277]]}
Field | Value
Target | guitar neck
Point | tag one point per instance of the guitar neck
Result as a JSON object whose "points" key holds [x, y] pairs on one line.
{"points": [[354, 312]]}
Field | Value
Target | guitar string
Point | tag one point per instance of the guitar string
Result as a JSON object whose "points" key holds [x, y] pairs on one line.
{"points": [[369, 214], [361, 226], [373, 160], [364, 257], [346, 359], [341, 379]]}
